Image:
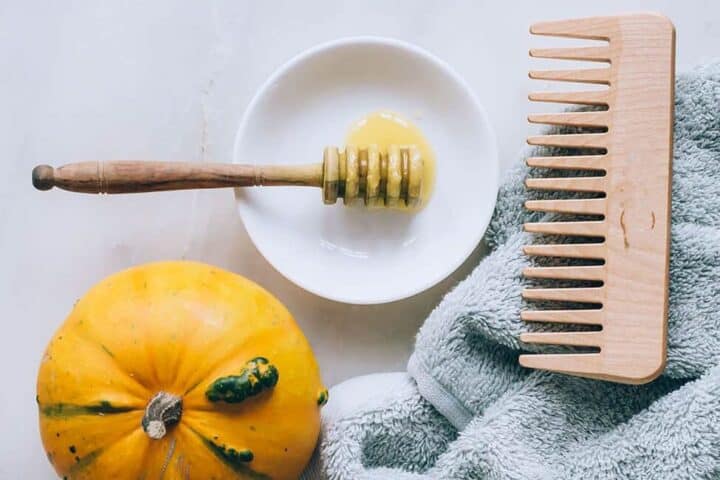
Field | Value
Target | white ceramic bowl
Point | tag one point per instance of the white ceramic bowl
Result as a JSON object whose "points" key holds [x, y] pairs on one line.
{"points": [[356, 255]]}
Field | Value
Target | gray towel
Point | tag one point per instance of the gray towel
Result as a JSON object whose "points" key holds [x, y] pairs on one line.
{"points": [[468, 411]]}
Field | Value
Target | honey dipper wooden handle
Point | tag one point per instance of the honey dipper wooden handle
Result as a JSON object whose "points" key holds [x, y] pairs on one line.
{"points": [[142, 176]]}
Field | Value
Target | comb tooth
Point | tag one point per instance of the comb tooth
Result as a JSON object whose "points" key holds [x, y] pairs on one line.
{"points": [[590, 75], [579, 317], [590, 54], [585, 229], [567, 250], [578, 119], [573, 140], [592, 97], [585, 272], [573, 184], [589, 206], [582, 295], [576, 339], [595, 28], [572, 363], [575, 162]]}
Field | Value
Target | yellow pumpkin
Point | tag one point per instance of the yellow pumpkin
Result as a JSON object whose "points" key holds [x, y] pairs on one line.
{"points": [[179, 370]]}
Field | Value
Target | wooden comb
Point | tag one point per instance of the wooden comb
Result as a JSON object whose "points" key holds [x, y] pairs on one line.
{"points": [[634, 213]]}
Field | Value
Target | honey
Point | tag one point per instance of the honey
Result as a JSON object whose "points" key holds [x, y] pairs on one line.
{"points": [[385, 128]]}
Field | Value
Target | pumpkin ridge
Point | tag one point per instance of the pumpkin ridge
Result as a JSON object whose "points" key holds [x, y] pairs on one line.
{"points": [[179, 384], [93, 455], [193, 387], [152, 366], [232, 354], [87, 460], [182, 354], [107, 350], [120, 368]]}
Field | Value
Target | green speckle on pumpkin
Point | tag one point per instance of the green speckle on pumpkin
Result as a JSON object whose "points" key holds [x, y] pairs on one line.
{"points": [[72, 449], [81, 463], [256, 376], [71, 410], [323, 397], [230, 455], [236, 460]]}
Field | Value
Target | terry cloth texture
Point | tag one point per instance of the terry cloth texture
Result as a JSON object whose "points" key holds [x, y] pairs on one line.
{"points": [[473, 413]]}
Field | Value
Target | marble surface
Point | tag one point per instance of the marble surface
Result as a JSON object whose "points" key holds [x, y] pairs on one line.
{"points": [[169, 80]]}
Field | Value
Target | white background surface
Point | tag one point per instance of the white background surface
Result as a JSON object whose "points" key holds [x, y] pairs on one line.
{"points": [[169, 80]]}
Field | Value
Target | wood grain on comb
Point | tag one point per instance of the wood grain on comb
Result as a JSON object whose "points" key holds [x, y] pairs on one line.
{"points": [[633, 217]]}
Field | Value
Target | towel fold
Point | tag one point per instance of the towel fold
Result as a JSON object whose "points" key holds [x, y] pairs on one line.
{"points": [[467, 410]]}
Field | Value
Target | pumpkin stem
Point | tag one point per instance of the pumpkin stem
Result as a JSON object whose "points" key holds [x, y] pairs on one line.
{"points": [[164, 410]]}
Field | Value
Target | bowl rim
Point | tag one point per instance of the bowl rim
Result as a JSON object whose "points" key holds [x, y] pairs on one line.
{"points": [[409, 48]]}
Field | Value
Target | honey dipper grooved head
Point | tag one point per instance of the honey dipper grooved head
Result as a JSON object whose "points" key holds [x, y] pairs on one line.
{"points": [[392, 178]]}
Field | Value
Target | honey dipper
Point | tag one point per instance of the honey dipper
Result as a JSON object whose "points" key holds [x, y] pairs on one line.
{"points": [[381, 178]]}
